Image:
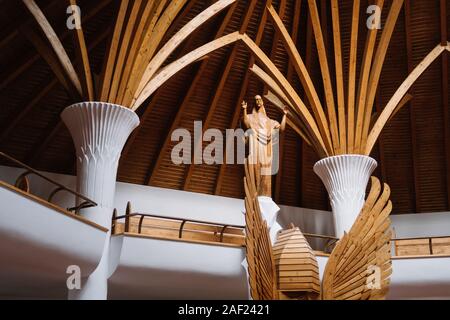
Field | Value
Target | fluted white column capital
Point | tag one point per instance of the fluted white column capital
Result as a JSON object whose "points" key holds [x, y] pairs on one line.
{"points": [[345, 177], [99, 131]]}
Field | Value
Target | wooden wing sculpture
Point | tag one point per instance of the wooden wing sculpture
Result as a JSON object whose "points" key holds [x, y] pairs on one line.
{"points": [[260, 259], [359, 267]]}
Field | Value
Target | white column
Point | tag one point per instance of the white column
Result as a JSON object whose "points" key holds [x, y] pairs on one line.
{"points": [[269, 212], [99, 131], [345, 177]]}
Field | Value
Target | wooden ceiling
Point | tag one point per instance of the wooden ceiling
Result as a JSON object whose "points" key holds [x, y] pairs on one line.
{"points": [[413, 151]]}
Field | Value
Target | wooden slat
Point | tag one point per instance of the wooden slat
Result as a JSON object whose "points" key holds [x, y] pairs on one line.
{"points": [[378, 62], [146, 50], [179, 37], [326, 77], [400, 93], [108, 67], [143, 25], [181, 63], [339, 75], [50, 57], [305, 79], [124, 50], [363, 82], [352, 77], [170, 12], [55, 43], [445, 95], [83, 61]]}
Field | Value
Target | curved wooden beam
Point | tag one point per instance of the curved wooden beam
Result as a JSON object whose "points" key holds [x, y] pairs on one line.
{"points": [[339, 75], [151, 42], [162, 76], [304, 77], [56, 44], [400, 93], [364, 82], [352, 77], [83, 60], [377, 66], [323, 61], [179, 37]]}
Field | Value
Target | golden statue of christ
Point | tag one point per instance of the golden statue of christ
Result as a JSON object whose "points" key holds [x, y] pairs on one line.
{"points": [[261, 141]]}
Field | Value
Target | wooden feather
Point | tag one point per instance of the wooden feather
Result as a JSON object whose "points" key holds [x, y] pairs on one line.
{"points": [[260, 258], [360, 265]]}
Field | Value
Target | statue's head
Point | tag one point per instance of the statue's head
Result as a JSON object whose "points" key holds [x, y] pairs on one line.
{"points": [[259, 102]]}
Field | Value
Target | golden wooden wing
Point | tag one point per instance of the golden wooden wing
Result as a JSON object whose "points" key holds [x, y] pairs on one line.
{"points": [[359, 267], [261, 265]]}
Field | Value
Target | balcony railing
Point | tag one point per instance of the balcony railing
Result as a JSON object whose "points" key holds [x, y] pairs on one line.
{"points": [[23, 183], [421, 246], [177, 228]]}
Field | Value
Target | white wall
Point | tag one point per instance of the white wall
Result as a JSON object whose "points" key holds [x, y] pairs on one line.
{"points": [[176, 203], [182, 204]]}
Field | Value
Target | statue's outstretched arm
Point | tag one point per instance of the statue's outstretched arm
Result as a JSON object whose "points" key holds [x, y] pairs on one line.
{"points": [[245, 118]]}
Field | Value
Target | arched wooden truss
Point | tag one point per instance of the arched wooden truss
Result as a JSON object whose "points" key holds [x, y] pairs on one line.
{"points": [[132, 69], [346, 125], [359, 267]]}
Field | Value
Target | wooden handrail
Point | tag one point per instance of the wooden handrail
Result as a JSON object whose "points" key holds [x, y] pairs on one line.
{"points": [[87, 203]]}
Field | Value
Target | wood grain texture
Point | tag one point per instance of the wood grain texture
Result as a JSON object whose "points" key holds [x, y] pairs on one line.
{"points": [[360, 265], [260, 258]]}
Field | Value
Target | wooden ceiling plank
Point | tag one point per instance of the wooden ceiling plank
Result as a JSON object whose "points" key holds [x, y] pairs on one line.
{"points": [[55, 43], [50, 57], [382, 163], [290, 70], [35, 99], [184, 104], [352, 77], [326, 78], [339, 75], [14, 27], [219, 89], [36, 153], [445, 89], [378, 63], [305, 79], [17, 69], [363, 82], [83, 60]]}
